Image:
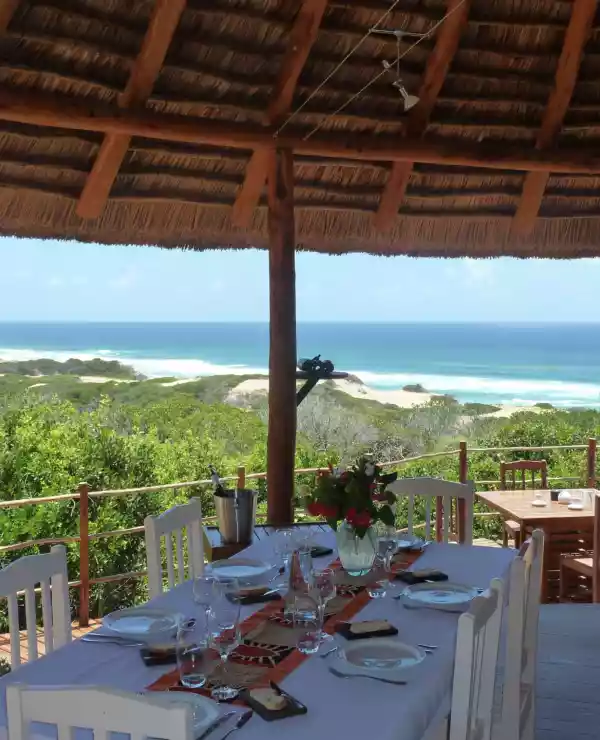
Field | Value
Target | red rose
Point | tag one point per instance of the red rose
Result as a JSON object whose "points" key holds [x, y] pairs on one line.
{"points": [[316, 508], [358, 518], [379, 496]]}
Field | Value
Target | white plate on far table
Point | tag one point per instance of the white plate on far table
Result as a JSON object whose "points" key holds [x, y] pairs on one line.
{"points": [[243, 569], [379, 656], [441, 595], [143, 624], [204, 710]]}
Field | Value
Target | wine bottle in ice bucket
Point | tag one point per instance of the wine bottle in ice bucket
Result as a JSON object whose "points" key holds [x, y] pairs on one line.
{"points": [[216, 480]]}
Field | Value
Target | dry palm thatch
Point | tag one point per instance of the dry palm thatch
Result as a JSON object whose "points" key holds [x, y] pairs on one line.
{"points": [[504, 75]]}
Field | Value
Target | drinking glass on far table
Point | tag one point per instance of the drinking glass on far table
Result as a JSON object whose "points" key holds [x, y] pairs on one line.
{"points": [[195, 659], [323, 584], [224, 637], [380, 576]]}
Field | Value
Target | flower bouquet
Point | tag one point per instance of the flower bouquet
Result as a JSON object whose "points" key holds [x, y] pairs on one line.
{"points": [[356, 498]]}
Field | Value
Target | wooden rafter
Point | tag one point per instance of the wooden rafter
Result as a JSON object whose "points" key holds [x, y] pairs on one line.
{"points": [[146, 68], [437, 67], [48, 111], [7, 10], [534, 186], [302, 37]]}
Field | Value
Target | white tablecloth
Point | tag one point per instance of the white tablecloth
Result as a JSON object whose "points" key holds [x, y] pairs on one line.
{"points": [[337, 708]]}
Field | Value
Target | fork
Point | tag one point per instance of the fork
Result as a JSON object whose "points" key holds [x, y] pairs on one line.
{"points": [[339, 674], [101, 640]]}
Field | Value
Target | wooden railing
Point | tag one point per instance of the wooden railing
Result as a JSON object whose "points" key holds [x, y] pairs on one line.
{"points": [[83, 495]]}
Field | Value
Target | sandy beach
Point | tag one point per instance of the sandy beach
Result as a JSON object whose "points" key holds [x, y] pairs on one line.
{"points": [[401, 398]]}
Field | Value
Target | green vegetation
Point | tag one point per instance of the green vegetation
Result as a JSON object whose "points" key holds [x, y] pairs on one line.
{"points": [[123, 432]]}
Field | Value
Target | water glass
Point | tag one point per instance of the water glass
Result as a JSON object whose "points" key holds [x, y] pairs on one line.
{"points": [[226, 588], [204, 590], [195, 659], [307, 623], [224, 637], [379, 581], [323, 583], [306, 563], [284, 546]]}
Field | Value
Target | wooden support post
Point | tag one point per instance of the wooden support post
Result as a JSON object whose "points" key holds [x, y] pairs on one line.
{"points": [[241, 479], [84, 555], [282, 355], [591, 463], [463, 472]]}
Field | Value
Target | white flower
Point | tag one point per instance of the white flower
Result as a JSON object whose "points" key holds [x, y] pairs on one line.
{"points": [[369, 470]]}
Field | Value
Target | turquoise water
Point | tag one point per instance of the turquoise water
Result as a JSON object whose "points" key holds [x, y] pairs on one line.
{"points": [[492, 363]]}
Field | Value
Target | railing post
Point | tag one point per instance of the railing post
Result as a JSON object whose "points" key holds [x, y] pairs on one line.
{"points": [[241, 479], [84, 555], [463, 473], [591, 463]]}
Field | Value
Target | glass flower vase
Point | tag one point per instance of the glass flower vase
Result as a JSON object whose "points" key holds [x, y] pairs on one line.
{"points": [[356, 553]]}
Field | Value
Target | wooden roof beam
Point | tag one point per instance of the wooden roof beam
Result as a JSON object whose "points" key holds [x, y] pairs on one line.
{"points": [[54, 112], [7, 10], [145, 70], [576, 36], [302, 37], [438, 64]]}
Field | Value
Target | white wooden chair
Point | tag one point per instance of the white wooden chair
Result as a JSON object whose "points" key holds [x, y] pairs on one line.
{"points": [[432, 489], [518, 691], [477, 644], [49, 571], [171, 525], [99, 709]]}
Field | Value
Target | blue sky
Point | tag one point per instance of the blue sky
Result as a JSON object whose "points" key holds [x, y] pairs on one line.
{"points": [[48, 280]]}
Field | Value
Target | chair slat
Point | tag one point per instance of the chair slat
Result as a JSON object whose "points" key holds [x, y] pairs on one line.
{"points": [[180, 560], [411, 510], [31, 624], [170, 565], [427, 518], [47, 616], [13, 625]]}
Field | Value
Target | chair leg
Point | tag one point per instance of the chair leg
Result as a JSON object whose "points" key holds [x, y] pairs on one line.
{"points": [[517, 539], [504, 537]]}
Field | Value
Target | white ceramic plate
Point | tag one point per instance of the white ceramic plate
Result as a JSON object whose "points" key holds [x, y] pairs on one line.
{"points": [[142, 623], [204, 710], [446, 596], [243, 569], [381, 654], [408, 541]]}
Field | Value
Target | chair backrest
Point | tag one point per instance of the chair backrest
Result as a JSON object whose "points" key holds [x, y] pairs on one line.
{"points": [[596, 551], [432, 489], [49, 571], [477, 643], [171, 525], [524, 589], [99, 709], [510, 480]]}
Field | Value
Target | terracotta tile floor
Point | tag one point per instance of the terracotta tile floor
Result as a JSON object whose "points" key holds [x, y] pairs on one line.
{"points": [[5, 640]]}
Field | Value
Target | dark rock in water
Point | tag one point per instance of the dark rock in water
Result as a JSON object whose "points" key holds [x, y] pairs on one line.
{"points": [[415, 388]]}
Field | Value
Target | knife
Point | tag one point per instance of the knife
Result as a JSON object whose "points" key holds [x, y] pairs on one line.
{"points": [[216, 723]]}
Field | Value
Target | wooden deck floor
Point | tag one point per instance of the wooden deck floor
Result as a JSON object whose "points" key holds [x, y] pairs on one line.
{"points": [[5, 640]]}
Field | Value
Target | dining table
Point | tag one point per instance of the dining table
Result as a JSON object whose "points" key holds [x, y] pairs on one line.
{"points": [[566, 531], [357, 708]]}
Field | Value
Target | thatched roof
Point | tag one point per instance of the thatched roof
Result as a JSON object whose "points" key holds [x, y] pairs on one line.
{"points": [[223, 65]]}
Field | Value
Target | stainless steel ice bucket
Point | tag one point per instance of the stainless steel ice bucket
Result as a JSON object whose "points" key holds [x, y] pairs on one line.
{"points": [[236, 511]]}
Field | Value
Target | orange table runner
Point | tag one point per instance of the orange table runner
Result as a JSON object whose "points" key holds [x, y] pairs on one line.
{"points": [[268, 649]]}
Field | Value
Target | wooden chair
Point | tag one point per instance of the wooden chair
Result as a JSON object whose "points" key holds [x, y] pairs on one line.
{"points": [[509, 482], [99, 709], [171, 525], [435, 488], [24, 575], [477, 644], [580, 573], [522, 617]]}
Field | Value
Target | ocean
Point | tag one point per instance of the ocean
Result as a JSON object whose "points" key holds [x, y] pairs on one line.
{"points": [[489, 363]]}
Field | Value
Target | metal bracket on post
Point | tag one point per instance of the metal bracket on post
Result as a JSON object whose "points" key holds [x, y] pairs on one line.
{"points": [[313, 370]]}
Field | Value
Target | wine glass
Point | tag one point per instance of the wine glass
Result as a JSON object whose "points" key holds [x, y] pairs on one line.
{"points": [[323, 584], [307, 623], [224, 637], [227, 588], [380, 580]]}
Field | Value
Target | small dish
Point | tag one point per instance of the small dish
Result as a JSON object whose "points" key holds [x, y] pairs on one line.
{"points": [[143, 624], [384, 657], [444, 596], [243, 569]]}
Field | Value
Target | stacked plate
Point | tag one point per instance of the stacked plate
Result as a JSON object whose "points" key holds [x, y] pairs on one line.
{"points": [[142, 624], [380, 657], [444, 596]]}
